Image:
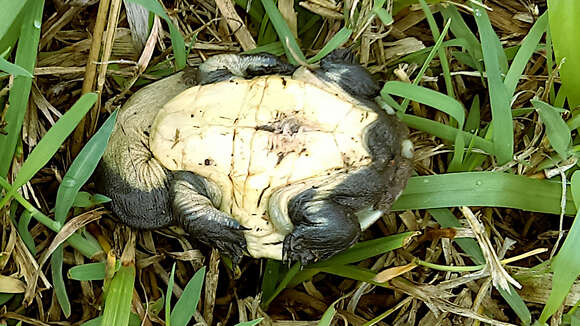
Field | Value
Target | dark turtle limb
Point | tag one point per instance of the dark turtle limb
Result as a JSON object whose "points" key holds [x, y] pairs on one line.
{"points": [[341, 67], [227, 66], [197, 213], [322, 228], [138, 208], [323, 214]]}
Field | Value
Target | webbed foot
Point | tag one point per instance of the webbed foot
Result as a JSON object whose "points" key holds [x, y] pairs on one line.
{"points": [[341, 67], [194, 201], [322, 229]]}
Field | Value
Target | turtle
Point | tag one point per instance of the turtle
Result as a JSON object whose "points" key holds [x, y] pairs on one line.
{"points": [[255, 156]]}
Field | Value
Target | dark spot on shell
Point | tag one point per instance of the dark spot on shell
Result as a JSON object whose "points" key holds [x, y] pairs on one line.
{"points": [[208, 161], [284, 82], [192, 115], [146, 133], [280, 157]]}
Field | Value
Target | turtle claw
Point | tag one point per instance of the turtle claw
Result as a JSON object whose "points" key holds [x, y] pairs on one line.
{"points": [[233, 247], [299, 248], [229, 241], [302, 246]]}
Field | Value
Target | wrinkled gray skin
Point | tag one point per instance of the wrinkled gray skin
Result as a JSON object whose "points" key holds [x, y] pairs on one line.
{"points": [[145, 195]]}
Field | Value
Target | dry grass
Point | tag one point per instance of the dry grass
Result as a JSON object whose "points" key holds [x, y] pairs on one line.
{"points": [[71, 63]]}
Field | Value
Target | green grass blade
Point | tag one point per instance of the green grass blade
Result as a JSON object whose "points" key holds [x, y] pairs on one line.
{"points": [[420, 56], [18, 98], [328, 315], [89, 248], [266, 34], [428, 60], [456, 164], [565, 265], [251, 322], [366, 249], [13, 69], [428, 97], [23, 223], [556, 128], [285, 281], [517, 304], [271, 277], [440, 50], [460, 29], [385, 17], [444, 131], [291, 47], [274, 48], [335, 42], [351, 272], [187, 303], [550, 66], [56, 261], [119, 295], [564, 21], [494, 57], [492, 189], [90, 272], [84, 199], [10, 20], [133, 321], [38, 215], [474, 116], [168, 296], [5, 297], [176, 38], [338, 265], [527, 48], [51, 142], [82, 168]]}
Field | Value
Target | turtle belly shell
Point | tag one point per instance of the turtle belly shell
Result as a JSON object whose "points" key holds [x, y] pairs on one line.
{"points": [[252, 137]]}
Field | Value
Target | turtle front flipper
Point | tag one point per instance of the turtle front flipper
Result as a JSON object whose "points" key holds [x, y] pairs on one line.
{"points": [[194, 200], [227, 66]]}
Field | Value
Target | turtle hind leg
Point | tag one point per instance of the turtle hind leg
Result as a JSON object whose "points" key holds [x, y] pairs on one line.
{"points": [[322, 228], [341, 67], [194, 201], [227, 66], [135, 207]]}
